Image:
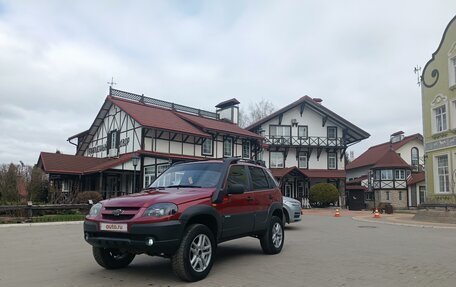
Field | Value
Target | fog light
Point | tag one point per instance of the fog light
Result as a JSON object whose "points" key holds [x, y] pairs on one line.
{"points": [[149, 241]]}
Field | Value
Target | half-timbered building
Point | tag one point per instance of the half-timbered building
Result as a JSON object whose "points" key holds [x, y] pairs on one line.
{"points": [[134, 138], [382, 174], [304, 143]]}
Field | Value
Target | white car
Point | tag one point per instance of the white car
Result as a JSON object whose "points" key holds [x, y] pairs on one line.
{"points": [[292, 209]]}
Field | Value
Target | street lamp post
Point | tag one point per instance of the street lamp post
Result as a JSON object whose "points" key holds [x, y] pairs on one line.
{"points": [[135, 160]]}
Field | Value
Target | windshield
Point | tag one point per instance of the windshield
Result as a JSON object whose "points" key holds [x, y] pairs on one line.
{"points": [[189, 175]]}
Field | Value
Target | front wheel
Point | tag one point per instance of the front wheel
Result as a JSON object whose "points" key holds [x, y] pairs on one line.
{"points": [[272, 240], [195, 256], [112, 258]]}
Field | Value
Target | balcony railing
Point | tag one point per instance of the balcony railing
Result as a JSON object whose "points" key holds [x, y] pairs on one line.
{"points": [[304, 141]]}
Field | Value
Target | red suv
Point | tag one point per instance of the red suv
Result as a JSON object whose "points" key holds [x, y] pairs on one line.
{"points": [[185, 213]]}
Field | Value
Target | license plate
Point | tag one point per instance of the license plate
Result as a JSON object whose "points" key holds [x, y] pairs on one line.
{"points": [[116, 227]]}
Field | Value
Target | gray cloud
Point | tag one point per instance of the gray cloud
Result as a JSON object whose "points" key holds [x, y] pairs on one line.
{"points": [[56, 57]]}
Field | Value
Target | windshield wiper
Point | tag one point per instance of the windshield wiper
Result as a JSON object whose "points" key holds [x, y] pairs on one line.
{"points": [[183, 185]]}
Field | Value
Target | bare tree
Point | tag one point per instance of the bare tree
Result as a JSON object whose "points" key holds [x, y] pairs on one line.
{"points": [[255, 112]]}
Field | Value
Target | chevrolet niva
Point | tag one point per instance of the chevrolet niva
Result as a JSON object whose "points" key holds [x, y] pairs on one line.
{"points": [[185, 213]]}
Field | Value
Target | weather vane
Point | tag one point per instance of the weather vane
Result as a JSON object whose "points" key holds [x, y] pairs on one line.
{"points": [[417, 71], [112, 83]]}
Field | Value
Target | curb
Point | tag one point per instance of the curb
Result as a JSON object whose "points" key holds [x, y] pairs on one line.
{"points": [[403, 224], [41, 224]]}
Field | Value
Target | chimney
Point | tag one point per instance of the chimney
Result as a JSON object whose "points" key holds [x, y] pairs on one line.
{"points": [[396, 137], [228, 110], [317, 100]]}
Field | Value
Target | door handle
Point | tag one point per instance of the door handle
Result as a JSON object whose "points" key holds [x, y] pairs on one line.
{"points": [[270, 196], [250, 198]]}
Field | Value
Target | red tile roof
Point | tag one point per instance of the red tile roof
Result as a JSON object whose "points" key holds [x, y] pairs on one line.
{"points": [[217, 125], [324, 173], [171, 156], [357, 180], [391, 159], [112, 162], [375, 153], [156, 117], [68, 164], [281, 172], [416, 177]]}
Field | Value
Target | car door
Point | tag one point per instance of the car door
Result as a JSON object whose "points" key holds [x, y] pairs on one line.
{"points": [[238, 210], [263, 195]]}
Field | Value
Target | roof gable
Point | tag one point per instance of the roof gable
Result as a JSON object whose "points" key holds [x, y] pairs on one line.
{"points": [[353, 132], [375, 153], [391, 160]]}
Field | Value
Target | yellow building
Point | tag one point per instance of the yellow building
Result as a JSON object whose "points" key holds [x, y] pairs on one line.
{"points": [[439, 119]]}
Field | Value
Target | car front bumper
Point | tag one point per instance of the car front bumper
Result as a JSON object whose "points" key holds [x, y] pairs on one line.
{"points": [[165, 235]]}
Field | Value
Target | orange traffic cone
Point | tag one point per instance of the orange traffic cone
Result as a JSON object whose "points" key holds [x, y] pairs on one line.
{"points": [[337, 213], [376, 213]]}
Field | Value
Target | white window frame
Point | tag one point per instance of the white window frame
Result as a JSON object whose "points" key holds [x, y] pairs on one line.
{"points": [[442, 173], [333, 137], [452, 72], [306, 132], [332, 156], [206, 147], [276, 161], [399, 174], [440, 119], [246, 144], [302, 157], [452, 114], [386, 174], [149, 175], [114, 139], [65, 185], [230, 146]]}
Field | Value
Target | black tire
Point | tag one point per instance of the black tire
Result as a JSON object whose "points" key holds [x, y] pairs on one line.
{"points": [[269, 241], [287, 217], [112, 258], [181, 260]]}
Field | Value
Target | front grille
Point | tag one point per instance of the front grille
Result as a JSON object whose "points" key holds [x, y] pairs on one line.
{"points": [[297, 214], [119, 213]]}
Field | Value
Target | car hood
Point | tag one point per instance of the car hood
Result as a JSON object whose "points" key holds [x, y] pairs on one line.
{"points": [[149, 197]]}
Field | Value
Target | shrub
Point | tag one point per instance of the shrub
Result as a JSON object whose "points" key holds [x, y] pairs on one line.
{"points": [[83, 197], [322, 194]]}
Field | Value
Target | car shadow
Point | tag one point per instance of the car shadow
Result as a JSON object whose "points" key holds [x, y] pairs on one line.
{"points": [[293, 227]]}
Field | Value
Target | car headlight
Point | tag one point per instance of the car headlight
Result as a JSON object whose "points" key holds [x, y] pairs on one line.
{"points": [[95, 209], [161, 209]]}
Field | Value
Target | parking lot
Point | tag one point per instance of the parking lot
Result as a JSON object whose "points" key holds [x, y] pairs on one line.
{"points": [[319, 251]]}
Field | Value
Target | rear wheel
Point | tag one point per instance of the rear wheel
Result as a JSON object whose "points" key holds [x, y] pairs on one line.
{"points": [[112, 258], [195, 256], [272, 240]]}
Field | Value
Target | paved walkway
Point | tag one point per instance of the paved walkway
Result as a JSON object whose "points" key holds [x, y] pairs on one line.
{"points": [[404, 219]]}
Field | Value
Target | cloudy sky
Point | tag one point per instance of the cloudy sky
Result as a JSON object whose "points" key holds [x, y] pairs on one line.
{"points": [[358, 56]]}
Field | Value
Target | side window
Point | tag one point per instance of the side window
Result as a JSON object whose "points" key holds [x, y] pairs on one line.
{"points": [[238, 175], [259, 180], [272, 182]]}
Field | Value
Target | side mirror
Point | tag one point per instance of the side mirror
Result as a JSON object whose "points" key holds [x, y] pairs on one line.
{"points": [[236, 189]]}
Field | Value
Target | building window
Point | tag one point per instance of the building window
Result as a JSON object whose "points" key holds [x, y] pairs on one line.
{"points": [[386, 174], [332, 132], [415, 156], [246, 149], [276, 160], [369, 195], [65, 186], [452, 70], [400, 195], [302, 160], [443, 174], [399, 174], [303, 132], [228, 147], [280, 134], [332, 160], [387, 195], [422, 190], [207, 147], [149, 175], [440, 119]]}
